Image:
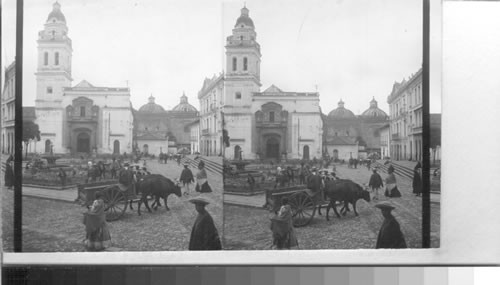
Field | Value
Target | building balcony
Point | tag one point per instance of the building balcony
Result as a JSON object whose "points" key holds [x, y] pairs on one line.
{"points": [[396, 136], [205, 132]]}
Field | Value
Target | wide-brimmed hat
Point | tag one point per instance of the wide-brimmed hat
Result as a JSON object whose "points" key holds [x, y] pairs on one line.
{"points": [[385, 205], [199, 200]]}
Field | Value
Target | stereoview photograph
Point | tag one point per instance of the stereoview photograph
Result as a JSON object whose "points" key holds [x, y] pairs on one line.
{"points": [[109, 168], [208, 125], [323, 125]]}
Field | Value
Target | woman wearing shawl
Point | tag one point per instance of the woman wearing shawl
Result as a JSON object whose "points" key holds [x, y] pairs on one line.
{"points": [[375, 183], [417, 181], [201, 179], [186, 178], [390, 182], [284, 236], [98, 235]]}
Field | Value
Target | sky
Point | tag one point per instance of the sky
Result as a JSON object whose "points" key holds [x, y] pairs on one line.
{"points": [[349, 50]]}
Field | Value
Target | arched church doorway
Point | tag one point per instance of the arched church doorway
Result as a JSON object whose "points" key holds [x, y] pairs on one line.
{"points": [[48, 144], [145, 149], [273, 148], [116, 147], [237, 152], [83, 143], [335, 154], [305, 152]]}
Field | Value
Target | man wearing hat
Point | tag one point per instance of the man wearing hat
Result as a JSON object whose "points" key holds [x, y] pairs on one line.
{"points": [[375, 183], [314, 184], [126, 177], [204, 235], [390, 235], [186, 178]]}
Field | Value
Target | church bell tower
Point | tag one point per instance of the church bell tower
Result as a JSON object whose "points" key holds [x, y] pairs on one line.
{"points": [[54, 60], [242, 62], [52, 76]]}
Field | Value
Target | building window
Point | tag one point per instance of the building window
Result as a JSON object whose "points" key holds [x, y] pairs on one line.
{"points": [[245, 64], [82, 111], [49, 90], [271, 116], [234, 64], [45, 58], [238, 95], [56, 58]]}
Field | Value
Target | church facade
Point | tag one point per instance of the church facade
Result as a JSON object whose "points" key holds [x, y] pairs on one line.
{"points": [[79, 119], [269, 124]]}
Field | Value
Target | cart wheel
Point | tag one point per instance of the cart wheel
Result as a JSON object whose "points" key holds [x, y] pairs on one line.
{"points": [[303, 209], [116, 204]]}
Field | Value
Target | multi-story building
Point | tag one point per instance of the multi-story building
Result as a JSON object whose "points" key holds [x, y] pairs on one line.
{"points": [[385, 141], [405, 105], [8, 110], [79, 119], [211, 117], [194, 129], [272, 124]]}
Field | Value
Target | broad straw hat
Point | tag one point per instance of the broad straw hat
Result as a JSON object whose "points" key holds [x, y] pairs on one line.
{"points": [[385, 205], [199, 200]]}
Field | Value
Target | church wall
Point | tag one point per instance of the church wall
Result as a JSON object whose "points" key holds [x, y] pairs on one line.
{"points": [[121, 126], [51, 128], [239, 129], [344, 151], [154, 146]]}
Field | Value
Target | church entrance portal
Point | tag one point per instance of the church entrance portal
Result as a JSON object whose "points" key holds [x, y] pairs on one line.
{"points": [[237, 152], [273, 148], [83, 143], [116, 147], [48, 145], [306, 152]]}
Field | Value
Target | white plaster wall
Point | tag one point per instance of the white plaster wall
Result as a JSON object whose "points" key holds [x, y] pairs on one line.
{"points": [[240, 128], [344, 151], [50, 122]]}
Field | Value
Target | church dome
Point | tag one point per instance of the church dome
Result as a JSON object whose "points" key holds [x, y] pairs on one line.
{"points": [[374, 111], [244, 19], [184, 106], [341, 112], [151, 106], [56, 13]]}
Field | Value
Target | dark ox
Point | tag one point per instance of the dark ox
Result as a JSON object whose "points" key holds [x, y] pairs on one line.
{"points": [[156, 186], [345, 191]]}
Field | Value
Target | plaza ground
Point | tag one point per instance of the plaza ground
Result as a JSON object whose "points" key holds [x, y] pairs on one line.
{"points": [[248, 227], [51, 225]]}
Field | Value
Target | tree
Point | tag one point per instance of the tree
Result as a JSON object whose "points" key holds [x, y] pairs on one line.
{"points": [[30, 132]]}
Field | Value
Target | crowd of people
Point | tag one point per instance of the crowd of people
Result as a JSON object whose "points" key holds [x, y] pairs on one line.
{"points": [[390, 234], [204, 234]]}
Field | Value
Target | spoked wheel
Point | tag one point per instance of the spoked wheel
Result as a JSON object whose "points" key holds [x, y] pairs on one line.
{"points": [[303, 209], [116, 203]]}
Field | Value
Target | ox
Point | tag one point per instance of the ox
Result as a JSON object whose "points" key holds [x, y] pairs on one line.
{"points": [[157, 186], [345, 191]]}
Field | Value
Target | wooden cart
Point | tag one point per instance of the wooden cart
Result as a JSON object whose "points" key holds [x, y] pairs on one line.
{"points": [[115, 198], [303, 204]]}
